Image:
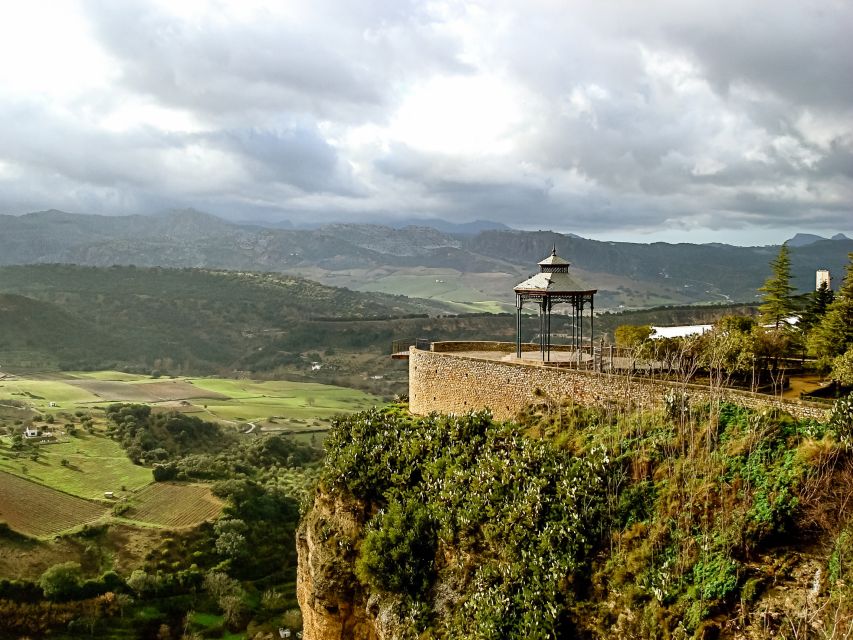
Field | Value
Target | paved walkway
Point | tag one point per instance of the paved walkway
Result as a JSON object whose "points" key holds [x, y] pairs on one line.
{"points": [[565, 358]]}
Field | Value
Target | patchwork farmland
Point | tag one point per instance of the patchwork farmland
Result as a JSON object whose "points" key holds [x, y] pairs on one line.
{"points": [[39, 511], [57, 487], [276, 405]]}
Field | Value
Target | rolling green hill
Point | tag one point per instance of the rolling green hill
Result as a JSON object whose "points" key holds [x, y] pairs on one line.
{"points": [[185, 320], [36, 334], [195, 321]]}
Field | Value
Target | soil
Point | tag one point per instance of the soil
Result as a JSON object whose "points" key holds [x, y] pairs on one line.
{"points": [[802, 384]]}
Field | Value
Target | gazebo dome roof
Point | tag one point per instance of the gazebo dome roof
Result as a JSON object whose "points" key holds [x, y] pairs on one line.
{"points": [[553, 277], [550, 281]]}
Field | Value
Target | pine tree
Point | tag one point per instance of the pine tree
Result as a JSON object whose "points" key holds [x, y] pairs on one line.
{"points": [[778, 303], [834, 335], [819, 301]]}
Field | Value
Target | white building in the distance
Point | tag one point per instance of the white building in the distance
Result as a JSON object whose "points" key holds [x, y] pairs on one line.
{"points": [[821, 276]]}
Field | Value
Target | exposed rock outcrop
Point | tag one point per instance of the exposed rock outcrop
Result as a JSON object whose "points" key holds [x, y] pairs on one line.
{"points": [[334, 604]]}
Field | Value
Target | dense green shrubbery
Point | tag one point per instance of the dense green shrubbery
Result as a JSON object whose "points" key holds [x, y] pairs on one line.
{"points": [[549, 537], [151, 437], [528, 511], [398, 552], [266, 458]]}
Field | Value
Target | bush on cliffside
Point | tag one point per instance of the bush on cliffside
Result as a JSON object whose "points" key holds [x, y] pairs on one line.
{"points": [[580, 522]]}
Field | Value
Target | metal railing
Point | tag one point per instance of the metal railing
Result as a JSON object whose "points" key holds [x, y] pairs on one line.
{"points": [[403, 346]]}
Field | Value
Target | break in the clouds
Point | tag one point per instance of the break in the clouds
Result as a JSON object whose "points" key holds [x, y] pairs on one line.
{"points": [[729, 120]]}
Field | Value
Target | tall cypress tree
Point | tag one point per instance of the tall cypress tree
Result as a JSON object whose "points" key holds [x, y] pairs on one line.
{"points": [[778, 303]]}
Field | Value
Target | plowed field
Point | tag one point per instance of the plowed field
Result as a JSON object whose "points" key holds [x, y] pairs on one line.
{"points": [[108, 390], [174, 505], [39, 511]]}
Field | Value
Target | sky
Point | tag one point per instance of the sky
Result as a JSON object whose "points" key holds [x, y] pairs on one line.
{"points": [[726, 121]]}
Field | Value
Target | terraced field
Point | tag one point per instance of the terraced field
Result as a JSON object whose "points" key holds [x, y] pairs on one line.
{"points": [[39, 511], [174, 505]]}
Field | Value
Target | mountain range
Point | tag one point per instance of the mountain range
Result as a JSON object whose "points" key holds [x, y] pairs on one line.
{"points": [[473, 268], [804, 239]]}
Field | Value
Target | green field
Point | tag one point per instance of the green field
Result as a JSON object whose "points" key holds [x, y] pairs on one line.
{"points": [[86, 463], [466, 292], [94, 464], [288, 404]]}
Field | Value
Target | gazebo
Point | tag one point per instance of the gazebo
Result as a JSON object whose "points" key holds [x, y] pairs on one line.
{"points": [[553, 285]]}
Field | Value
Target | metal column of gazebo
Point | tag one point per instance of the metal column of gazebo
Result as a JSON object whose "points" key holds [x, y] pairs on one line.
{"points": [[553, 285]]}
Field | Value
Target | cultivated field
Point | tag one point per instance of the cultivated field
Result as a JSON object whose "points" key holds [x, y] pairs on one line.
{"points": [[93, 464], [174, 505], [138, 391], [53, 487], [39, 511], [290, 405]]}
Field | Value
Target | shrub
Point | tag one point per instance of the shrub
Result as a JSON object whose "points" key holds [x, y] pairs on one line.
{"points": [[398, 551], [841, 419], [61, 581]]}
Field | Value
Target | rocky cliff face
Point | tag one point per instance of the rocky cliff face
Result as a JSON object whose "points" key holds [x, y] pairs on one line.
{"points": [[335, 606]]}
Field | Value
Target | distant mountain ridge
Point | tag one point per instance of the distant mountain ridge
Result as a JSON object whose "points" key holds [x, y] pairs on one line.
{"points": [[805, 239], [412, 260]]}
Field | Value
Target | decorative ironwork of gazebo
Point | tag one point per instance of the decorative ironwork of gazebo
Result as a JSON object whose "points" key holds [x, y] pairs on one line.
{"points": [[551, 286]]}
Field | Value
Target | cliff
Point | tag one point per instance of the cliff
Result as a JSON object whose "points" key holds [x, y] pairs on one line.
{"points": [[581, 523], [331, 599]]}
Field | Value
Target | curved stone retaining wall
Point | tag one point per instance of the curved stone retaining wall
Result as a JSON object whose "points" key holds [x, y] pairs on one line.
{"points": [[448, 381]]}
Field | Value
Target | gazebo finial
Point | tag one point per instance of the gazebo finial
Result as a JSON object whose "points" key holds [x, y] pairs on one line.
{"points": [[554, 250]]}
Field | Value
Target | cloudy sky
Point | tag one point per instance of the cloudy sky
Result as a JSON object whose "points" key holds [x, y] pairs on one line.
{"points": [[702, 121]]}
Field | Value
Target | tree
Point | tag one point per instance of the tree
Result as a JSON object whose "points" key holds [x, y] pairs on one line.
{"points": [[143, 583], [629, 335], [230, 541], [842, 368], [834, 335], [778, 303], [819, 301], [61, 581]]}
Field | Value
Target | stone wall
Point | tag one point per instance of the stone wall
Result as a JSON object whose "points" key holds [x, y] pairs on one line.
{"points": [[447, 381]]}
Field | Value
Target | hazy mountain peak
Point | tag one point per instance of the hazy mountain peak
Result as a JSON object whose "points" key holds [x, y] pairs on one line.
{"points": [[804, 239]]}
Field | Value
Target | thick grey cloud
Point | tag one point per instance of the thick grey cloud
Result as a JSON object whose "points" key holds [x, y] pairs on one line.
{"points": [[598, 118], [337, 62]]}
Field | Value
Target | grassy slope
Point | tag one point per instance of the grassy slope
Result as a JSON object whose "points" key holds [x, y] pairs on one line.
{"points": [[95, 464], [192, 320]]}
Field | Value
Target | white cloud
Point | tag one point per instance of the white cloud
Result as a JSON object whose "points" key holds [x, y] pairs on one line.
{"points": [[586, 116], [459, 115]]}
